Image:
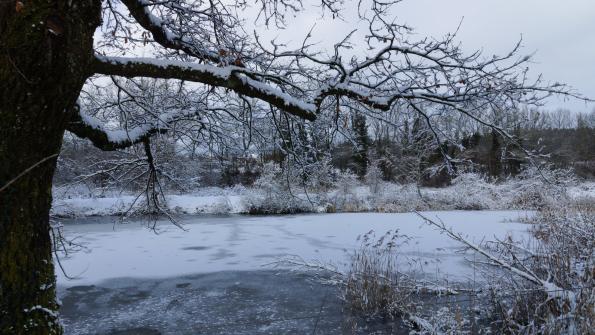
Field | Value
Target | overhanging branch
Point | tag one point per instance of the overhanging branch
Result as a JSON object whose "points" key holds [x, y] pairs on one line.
{"points": [[230, 77], [84, 127]]}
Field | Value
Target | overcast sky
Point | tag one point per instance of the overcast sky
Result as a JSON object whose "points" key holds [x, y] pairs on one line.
{"points": [[562, 33]]}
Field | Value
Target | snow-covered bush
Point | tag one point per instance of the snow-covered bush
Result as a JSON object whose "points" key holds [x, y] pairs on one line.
{"points": [[398, 199], [540, 286], [348, 195], [539, 187], [471, 191], [270, 180], [273, 194], [373, 178], [446, 320], [320, 176], [556, 294], [324, 189], [221, 206]]}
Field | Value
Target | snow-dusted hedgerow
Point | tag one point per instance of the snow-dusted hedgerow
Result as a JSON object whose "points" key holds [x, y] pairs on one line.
{"points": [[277, 192]]}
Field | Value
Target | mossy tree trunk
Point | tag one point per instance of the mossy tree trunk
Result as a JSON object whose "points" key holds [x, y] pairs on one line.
{"points": [[45, 49]]}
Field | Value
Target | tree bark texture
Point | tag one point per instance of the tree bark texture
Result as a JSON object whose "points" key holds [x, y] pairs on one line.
{"points": [[45, 49]]}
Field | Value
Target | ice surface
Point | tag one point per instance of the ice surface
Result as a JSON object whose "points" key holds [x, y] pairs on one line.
{"points": [[237, 243]]}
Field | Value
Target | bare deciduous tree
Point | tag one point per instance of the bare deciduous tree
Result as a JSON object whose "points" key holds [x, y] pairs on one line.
{"points": [[50, 53]]}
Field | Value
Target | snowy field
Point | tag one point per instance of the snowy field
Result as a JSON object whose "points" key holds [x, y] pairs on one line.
{"points": [[237, 243]]}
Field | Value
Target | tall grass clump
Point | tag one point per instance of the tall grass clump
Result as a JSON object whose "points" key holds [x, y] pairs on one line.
{"points": [[374, 286]]}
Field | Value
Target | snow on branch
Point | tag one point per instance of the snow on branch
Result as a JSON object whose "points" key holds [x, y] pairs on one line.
{"points": [[93, 129], [140, 10], [435, 79], [231, 77], [553, 290]]}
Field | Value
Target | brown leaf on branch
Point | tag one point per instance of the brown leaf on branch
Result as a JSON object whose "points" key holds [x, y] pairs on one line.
{"points": [[55, 25], [19, 6], [238, 62]]}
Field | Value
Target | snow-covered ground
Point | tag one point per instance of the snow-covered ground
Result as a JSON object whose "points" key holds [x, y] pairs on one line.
{"points": [[70, 202], [468, 192], [228, 243], [582, 190], [115, 205]]}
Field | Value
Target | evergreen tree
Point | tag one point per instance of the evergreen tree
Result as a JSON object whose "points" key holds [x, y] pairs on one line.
{"points": [[362, 144], [495, 156]]}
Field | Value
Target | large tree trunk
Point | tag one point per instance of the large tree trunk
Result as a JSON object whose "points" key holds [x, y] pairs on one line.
{"points": [[45, 47]]}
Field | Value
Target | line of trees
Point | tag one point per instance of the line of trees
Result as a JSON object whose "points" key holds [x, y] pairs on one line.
{"points": [[403, 154]]}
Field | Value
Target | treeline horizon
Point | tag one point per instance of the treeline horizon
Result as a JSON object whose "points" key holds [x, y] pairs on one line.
{"points": [[409, 154]]}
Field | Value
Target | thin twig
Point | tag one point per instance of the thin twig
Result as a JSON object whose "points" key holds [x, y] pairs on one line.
{"points": [[27, 171]]}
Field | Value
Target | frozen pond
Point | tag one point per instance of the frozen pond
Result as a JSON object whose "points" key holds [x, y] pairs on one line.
{"points": [[213, 278], [240, 243]]}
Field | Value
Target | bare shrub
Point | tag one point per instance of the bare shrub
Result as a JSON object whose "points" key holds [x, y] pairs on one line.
{"points": [[545, 285], [563, 257]]}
